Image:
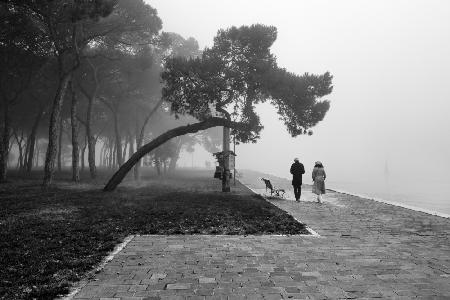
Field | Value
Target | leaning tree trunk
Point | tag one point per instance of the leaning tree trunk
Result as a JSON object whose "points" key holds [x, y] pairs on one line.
{"points": [[53, 130], [75, 145], [191, 128], [32, 140]]}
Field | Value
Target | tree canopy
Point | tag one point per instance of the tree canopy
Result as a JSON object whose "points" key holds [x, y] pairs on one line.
{"points": [[223, 85]]}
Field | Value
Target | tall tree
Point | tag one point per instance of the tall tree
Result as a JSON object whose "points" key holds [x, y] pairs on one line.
{"points": [[20, 57], [63, 25], [129, 30], [222, 87], [151, 102], [75, 143]]}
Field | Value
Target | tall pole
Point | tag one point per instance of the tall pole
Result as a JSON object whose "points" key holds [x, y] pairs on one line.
{"points": [[234, 169], [226, 163]]}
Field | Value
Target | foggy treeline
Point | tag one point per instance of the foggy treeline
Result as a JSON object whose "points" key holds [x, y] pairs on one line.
{"points": [[80, 86]]}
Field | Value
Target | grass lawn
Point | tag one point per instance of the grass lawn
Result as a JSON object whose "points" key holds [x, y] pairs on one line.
{"points": [[50, 239]]}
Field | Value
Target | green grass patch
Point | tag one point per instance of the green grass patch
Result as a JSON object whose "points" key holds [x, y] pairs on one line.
{"points": [[50, 239]]}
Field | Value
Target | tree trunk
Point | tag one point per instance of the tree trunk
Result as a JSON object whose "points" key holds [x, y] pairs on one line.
{"points": [[102, 152], [191, 128], [91, 138], [124, 153], [83, 151], [4, 146], [176, 156], [105, 155], [36, 161], [140, 138], [25, 155], [53, 130], [20, 146], [75, 145], [60, 144], [131, 147], [136, 169], [20, 156], [32, 140], [118, 139], [158, 166], [111, 154]]}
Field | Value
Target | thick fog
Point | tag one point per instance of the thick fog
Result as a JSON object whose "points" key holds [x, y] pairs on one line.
{"points": [[390, 110]]}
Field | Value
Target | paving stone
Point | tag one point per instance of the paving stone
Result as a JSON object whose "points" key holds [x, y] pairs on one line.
{"points": [[365, 250], [292, 290], [178, 286], [206, 280]]}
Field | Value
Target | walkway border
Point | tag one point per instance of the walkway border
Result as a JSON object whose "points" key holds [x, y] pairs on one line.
{"points": [[311, 231], [75, 289]]}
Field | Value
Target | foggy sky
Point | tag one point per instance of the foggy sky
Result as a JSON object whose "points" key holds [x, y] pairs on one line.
{"points": [[391, 66]]}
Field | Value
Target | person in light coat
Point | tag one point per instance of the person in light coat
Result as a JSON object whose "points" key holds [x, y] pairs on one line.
{"points": [[318, 177]]}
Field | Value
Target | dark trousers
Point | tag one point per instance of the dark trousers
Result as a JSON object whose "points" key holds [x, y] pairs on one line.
{"points": [[297, 191]]}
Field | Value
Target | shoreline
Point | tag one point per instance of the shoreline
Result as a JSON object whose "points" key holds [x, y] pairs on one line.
{"points": [[368, 197], [394, 203]]}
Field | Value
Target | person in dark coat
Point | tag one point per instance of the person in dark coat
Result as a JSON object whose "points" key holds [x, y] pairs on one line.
{"points": [[297, 170]]}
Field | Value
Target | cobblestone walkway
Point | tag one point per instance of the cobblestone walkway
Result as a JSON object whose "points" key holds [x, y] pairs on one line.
{"points": [[365, 250]]}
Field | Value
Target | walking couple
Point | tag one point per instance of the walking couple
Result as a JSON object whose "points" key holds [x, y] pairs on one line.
{"points": [[318, 177]]}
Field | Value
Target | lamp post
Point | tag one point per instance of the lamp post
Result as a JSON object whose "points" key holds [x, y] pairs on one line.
{"points": [[226, 160], [234, 168]]}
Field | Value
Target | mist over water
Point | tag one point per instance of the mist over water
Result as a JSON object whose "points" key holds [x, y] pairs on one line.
{"points": [[390, 106]]}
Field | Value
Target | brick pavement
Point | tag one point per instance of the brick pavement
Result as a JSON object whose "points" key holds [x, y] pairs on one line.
{"points": [[366, 249]]}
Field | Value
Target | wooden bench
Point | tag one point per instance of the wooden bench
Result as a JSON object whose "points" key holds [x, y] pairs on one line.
{"points": [[273, 190]]}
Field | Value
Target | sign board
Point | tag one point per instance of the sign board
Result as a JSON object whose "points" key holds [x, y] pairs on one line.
{"points": [[221, 156]]}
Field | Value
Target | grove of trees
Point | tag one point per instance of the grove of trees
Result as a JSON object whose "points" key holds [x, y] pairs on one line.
{"points": [[81, 75], [78, 77]]}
